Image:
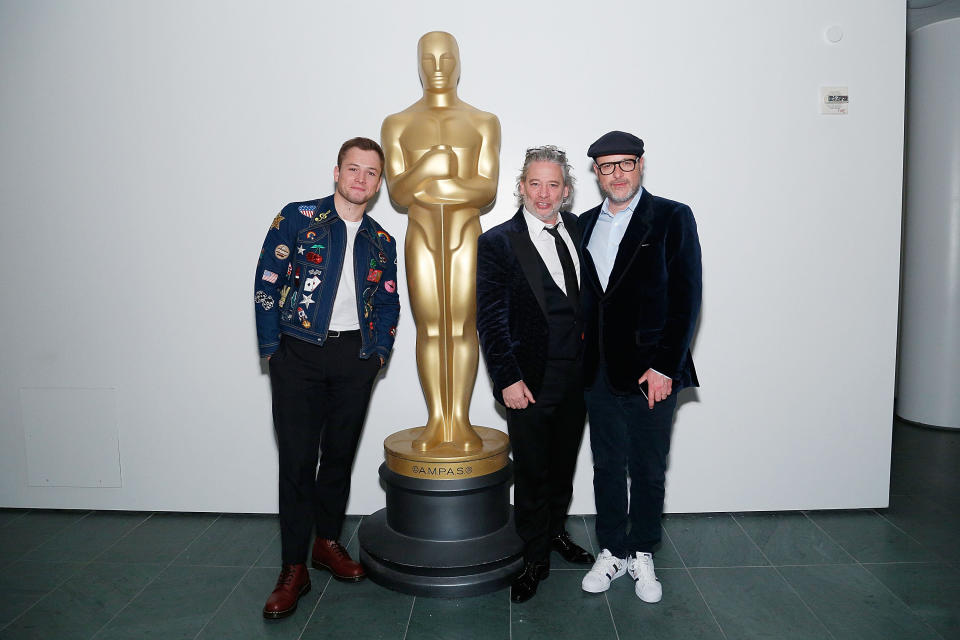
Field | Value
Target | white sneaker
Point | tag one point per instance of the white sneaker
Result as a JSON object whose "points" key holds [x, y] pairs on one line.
{"points": [[605, 570], [640, 567]]}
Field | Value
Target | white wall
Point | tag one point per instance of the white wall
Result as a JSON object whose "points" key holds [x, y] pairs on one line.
{"points": [[146, 146]]}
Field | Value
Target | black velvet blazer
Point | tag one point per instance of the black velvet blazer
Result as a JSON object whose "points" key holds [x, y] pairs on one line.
{"points": [[645, 318], [511, 304]]}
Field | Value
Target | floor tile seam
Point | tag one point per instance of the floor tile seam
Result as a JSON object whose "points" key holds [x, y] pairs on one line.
{"points": [[696, 586], [896, 597], [406, 629], [752, 541], [152, 580], [124, 536], [265, 547], [830, 537], [223, 602], [613, 620], [51, 591], [901, 530], [54, 535], [783, 578], [316, 605], [25, 512]]}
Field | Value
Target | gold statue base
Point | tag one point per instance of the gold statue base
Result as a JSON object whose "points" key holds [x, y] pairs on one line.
{"points": [[446, 462]]}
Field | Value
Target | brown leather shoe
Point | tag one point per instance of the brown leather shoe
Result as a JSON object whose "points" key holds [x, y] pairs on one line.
{"points": [[330, 555], [294, 582]]}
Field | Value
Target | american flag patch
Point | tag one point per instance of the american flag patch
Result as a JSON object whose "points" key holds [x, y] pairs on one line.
{"points": [[307, 210], [269, 276]]}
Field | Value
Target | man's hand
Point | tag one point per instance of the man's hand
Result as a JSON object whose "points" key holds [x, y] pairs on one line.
{"points": [[517, 396], [659, 386]]}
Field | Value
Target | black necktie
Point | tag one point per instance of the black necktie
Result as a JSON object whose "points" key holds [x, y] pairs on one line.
{"points": [[569, 273]]}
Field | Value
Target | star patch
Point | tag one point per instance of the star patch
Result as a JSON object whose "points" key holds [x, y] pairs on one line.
{"points": [[300, 249], [269, 276], [282, 251], [276, 222], [306, 301], [374, 275], [307, 210]]}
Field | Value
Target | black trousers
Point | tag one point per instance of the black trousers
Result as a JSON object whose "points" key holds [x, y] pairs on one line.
{"points": [[545, 438], [627, 437], [320, 400]]}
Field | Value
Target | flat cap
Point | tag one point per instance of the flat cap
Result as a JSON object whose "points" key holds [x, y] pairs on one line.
{"points": [[616, 142]]}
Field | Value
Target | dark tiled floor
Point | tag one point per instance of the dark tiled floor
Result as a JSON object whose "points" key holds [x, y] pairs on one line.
{"points": [[872, 574]]}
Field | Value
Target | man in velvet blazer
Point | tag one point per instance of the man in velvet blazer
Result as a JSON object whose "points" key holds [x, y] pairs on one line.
{"points": [[640, 301], [528, 318]]}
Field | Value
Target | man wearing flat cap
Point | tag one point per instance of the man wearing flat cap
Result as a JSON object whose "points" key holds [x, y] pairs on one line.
{"points": [[640, 296]]}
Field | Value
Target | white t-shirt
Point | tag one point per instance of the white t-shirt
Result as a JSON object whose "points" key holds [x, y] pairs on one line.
{"points": [[344, 316]]}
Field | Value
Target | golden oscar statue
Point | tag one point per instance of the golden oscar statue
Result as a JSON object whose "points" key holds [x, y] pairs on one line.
{"points": [[442, 165], [447, 529]]}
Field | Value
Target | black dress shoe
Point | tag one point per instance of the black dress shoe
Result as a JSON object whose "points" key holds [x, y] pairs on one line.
{"points": [[570, 550], [524, 586]]}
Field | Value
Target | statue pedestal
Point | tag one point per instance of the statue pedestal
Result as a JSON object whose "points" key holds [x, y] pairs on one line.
{"points": [[447, 530]]}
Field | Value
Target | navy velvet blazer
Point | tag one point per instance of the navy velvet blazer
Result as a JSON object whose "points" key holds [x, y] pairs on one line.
{"points": [[645, 318], [511, 304]]}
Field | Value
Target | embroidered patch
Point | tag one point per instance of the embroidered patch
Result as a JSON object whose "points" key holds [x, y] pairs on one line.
{"points": [[390, 286], [306, 301], [384, 235], [284, 292], [374, 275], [296, 279], [276, 222], [317, 246], [310, 284], [265, 301], [299, 249], [382, 257], [311, 235], [315, 258], [307, 209], [322, 216], [282, 251], [269, 276], [373, 263], [289, 269], [315, 272], [393, 331]]}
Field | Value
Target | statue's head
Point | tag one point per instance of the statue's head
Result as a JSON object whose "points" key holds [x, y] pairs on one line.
{"points": [[439, 58]]}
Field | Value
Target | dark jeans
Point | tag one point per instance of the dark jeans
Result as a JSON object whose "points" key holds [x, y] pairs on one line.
{"points": [[320, 399], [626, 436], [545, 438]]}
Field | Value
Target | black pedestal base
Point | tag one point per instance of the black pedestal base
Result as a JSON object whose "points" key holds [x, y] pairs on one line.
{"points": [[442, 538]]}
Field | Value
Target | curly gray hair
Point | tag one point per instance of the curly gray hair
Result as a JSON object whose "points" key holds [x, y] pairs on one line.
{"points": [[546, 153]]}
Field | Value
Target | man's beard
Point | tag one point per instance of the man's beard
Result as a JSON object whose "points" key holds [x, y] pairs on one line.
{"points": [[617, 199]]}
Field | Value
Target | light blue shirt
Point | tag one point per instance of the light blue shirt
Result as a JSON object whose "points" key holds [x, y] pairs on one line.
{"points": [[607, 234]]}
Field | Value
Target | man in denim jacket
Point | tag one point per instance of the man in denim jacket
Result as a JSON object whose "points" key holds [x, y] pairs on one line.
{"points": [[326, 305]]}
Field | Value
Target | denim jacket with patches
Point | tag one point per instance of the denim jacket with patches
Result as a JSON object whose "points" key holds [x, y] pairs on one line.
{"points": [[299, 271]]}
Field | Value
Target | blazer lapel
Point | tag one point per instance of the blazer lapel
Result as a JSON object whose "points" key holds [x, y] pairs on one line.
{"points": [[636, 233], [589, 269], [528, 257]]}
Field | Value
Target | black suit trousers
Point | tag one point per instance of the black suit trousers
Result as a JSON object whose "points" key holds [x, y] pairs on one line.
{"points": [[320, 400], [545, 438]]}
